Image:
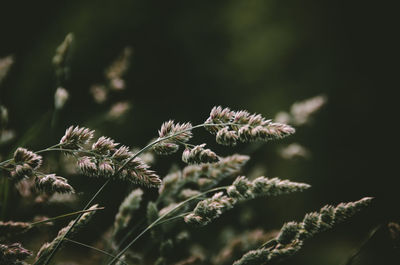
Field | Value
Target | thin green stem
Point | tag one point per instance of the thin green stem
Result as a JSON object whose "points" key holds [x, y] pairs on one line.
{"points": [[122, 241], [69, 150], [37, 152], [74, 223], [116, 173], [269, 243], [93, 248], [179, 205], [173, 218], [65, 215], [166, 138], [371, 234]]}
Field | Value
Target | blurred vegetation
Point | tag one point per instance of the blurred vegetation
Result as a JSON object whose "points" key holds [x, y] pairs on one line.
{"points": [[191, 55]]}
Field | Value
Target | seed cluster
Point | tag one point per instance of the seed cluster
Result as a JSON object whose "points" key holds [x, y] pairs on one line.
{"points": [[51, 183], [293, 234], [205, 176], [105, 159], [198, 154], [176, 133], [232, 126], [242, 189], [47, 248], [13, 254], [26, 162]]}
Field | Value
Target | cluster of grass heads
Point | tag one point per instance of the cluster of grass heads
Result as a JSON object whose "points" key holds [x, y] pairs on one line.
{"points": [[188, 198]]}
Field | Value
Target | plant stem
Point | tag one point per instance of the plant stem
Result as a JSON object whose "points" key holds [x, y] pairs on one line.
{"points": [[93, 248], [371, 234], [166, 138], [116, 173], [37, 152], [179, 205], [173, 218], [75, 221], [65, 215]]}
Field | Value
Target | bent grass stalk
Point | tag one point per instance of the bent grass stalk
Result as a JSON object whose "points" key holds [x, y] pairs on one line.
{"points": [[65, 215], [93, 248], [179, 205], [74, 223], [116, 173]]}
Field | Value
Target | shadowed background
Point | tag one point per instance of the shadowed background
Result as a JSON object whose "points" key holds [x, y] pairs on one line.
{"points": [[191, 55]]}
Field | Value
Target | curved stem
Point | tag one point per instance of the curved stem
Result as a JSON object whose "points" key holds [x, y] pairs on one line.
{"points": [[363, 244], [122, 241], [166, 138], [179, 205], [116, 173], [94, 248], [74, 223], [173, 218], [68, 151], [37, 152], [65, 215]]}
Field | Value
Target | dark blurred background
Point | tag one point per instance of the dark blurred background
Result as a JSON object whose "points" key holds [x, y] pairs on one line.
{"points": [[258, 55]]}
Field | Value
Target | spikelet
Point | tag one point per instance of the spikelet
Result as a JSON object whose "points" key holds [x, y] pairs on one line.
{"points": [[99, 93], [106, 168], [165, 148], [167, 209], [239, 244], [188, 193], [227, 137], [292, 235], [47, 248], [104, 146], [302, 111], [117, 69], [25, 163], [121, 153], [224, 168], [5, 65], [254, 257], [218, 115], [289, 232], [138, 172], [62, 51], [51, 183], [170, 186], [209, 209], [215, 172], [127, 207], [13, 228], [135, 171], [264, 256], [87, 165], [118, 110], [60, 98], [329, 216], [3, 116], [198, 154], [243, 189], [294, 150], [231, 126], [76, 137], [176, 133], [24, 156], [13, 254]]}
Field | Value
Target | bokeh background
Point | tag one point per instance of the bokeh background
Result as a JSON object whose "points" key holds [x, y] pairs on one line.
{"points": [[191, 55]]}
